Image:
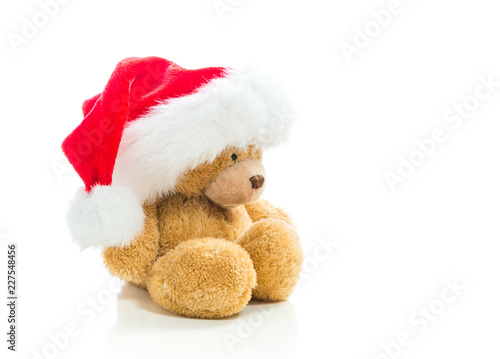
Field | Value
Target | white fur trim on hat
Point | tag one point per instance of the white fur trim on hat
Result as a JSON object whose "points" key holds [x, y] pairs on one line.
{"points": [[108, 216], [244, 107]]}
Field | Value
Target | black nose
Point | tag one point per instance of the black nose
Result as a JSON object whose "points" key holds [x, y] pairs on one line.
{"points": [[257, 181]]}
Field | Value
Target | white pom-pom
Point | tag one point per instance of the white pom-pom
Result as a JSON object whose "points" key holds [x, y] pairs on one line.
{"points": [[109, 216]]}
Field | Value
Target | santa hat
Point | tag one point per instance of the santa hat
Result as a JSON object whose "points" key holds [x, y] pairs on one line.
{"points": [[154, 121]]}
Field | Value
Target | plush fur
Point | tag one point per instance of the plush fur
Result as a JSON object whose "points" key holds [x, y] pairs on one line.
{"points": [[203, 277], [275, 250], [109, 216], [201, 260]]}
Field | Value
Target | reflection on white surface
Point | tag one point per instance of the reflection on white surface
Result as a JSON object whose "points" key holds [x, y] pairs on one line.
{"points": [[261, 330]]}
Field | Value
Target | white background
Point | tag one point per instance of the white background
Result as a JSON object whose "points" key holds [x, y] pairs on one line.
{"points": [[389, 253]]}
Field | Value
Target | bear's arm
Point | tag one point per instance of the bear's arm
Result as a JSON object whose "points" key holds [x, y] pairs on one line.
{"points": [[133, 262], [262, 209]]}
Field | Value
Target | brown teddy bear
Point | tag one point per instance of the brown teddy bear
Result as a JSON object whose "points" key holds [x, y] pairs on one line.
{"points": [[171, 160]]}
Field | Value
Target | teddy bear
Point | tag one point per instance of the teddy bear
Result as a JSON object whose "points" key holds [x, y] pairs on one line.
{"points": [[171, 159]]}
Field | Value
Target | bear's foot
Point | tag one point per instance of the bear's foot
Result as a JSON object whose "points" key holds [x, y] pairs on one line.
{"points": [[277, 258], [203, 278]]}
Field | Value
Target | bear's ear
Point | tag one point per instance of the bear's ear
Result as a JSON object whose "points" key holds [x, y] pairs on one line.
{"points": [[109, 216], [194, 181]]}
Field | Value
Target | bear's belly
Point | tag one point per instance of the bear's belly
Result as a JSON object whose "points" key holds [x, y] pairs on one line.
{"points": [[183, 218]]}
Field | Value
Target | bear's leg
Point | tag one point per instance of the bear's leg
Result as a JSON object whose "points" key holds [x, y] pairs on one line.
{"points": [[277, 257], [203, 278]]}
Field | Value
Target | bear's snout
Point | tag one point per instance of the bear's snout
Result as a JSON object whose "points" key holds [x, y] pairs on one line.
{"points": [[238, 184]]}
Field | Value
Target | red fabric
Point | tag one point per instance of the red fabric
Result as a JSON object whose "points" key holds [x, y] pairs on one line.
{"points": [[135, 86]]}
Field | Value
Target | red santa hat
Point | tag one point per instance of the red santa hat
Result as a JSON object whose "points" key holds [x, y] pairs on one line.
{"points": [[154, 121]]}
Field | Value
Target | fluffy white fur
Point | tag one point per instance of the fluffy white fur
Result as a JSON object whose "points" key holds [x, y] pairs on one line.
{"points": [[241, 108], [108, 216]]}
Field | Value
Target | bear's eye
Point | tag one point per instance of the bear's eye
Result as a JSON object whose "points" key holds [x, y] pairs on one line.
{"points": [[234, 157]]}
